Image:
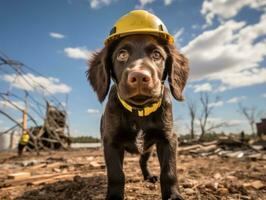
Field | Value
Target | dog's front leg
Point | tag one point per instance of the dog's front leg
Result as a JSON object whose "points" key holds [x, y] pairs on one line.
{"points": [[116, 178], [166, 150], [144, 168]]}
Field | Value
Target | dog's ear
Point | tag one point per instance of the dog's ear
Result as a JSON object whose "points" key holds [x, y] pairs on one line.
{"points": [[177, 66], [98, 73]]}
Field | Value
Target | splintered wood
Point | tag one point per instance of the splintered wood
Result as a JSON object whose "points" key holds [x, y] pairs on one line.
{"points": [[19, 175], [81, 174], [225, 147], [51, 135], [45, 171]]}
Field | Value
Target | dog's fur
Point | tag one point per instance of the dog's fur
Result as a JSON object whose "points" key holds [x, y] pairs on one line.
{"points": [[120, 129]]}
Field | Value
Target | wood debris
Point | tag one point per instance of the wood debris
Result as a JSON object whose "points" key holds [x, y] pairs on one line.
{"points": [[19, 175], [225, 147], [78, 175]]}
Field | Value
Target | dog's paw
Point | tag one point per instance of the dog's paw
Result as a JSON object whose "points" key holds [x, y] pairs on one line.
{"points": [[151, 179], [176, 196]]}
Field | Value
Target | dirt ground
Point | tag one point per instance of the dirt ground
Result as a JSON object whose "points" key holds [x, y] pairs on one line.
{"points": [[80, 174]]}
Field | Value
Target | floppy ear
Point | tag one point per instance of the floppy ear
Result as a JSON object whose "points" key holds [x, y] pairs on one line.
{"points": [[98, 73], [178, 70]]}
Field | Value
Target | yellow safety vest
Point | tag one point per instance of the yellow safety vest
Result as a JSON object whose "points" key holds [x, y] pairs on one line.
{"points": [[24, 139]]}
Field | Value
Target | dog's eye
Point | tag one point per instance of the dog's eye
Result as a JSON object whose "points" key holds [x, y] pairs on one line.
{"points": [[156, 55], [122, 55]]}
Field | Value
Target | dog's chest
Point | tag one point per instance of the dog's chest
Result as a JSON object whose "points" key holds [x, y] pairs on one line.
{"points": [[138, 142], [139, 133]]}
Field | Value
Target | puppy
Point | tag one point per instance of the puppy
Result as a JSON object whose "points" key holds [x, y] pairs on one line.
{"points": [[138, 113]]}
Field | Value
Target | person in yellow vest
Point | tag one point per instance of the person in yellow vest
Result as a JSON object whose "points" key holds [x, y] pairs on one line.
{"points": [[23, 142]]}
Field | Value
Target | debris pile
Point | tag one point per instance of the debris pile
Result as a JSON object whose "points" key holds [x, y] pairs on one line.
{"points": [[26, 92], [81, 174], [43, 171], [227, 147], [52, 134]]}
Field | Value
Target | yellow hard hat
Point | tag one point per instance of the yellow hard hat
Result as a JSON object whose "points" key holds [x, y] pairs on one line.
{"points": [[139, 22]]}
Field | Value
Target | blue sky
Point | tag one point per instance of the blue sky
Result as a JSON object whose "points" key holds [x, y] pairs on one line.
{"points": [[224, 41]]}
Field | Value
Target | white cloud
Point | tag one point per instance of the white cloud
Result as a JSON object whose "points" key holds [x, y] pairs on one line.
{"points": [[226, 9], [177, 36], [208, 52], [95, 4], [78, 52], [235, 122], [195, 26], [205, 87], [93, 111], [31, 82], [230, 54], [56, 35], [229, 125], [143, 3], [228, 122], [168, 2], [236, 99], [216, 104], [5, 104], [214, 120], [264, 95], [211, 122], [241, 79]]}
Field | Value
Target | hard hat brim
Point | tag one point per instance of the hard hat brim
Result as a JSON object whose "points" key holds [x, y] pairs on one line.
{"points": [[161, 34]]}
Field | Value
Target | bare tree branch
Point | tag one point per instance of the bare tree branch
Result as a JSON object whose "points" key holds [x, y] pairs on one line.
{"points": [[251, 114], [207, 110], [192, 107]]}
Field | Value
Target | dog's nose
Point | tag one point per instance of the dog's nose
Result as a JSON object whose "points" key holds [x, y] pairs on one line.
{"points": [[139, 77]]}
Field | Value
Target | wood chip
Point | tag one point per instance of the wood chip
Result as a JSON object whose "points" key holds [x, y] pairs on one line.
{"points": [[19, 175], [38, 166], [255, 184], [95, 164], [54, 165]]}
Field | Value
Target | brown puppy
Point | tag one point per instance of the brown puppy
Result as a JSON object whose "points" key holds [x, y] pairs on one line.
{"points": [[138, 65]]}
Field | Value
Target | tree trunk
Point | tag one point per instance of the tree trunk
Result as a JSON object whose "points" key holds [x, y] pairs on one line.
{"points": [[192, 134]]}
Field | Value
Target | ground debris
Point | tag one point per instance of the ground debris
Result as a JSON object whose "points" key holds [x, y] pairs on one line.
{"points": [[255, 184], [226, 147], [80, 174], [19, 175]]}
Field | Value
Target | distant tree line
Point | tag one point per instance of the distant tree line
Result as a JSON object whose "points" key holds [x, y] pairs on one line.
{"points": [[200, 114], [85, 139]]}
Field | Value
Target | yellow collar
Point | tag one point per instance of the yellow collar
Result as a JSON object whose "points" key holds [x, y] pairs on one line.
{"points": [[142, 112]]}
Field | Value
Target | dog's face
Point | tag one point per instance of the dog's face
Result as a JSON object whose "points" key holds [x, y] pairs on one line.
{"points": [[138, 64]]}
